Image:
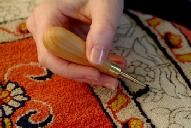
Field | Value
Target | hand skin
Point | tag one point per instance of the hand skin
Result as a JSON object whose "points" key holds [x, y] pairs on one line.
{"points": [[93, 20]]}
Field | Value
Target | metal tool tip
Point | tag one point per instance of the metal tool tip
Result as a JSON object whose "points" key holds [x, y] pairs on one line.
{"points": [[125, 75]]}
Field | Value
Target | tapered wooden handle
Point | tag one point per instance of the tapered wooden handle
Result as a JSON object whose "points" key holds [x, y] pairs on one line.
{"points": [[66, 45]]}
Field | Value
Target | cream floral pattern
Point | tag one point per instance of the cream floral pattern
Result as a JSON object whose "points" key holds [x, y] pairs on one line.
{"points": [[12, 14], [12, 97], [15, 9]]}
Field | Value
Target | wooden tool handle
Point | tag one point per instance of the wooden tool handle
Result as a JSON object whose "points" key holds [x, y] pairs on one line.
{"points": [[66, 45]]}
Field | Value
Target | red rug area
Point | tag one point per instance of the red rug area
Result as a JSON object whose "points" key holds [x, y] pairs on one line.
{"points": [[31, 96]]}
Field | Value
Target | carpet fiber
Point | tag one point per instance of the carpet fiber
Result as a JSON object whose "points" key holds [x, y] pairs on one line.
{"points": [[158, 53]]}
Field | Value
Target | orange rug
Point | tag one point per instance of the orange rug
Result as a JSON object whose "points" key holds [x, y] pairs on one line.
{"points": [[31, 96]]}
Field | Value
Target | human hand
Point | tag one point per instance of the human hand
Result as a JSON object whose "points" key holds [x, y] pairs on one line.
{"points": [[93, 20]]}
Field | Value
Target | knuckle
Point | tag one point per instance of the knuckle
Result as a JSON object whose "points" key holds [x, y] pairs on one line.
{"points": [[30, 23], [110, 29], [107, 29]]}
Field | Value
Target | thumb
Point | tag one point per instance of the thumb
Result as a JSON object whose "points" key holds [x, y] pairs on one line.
{"points": [[102, 30], [99, 42]]}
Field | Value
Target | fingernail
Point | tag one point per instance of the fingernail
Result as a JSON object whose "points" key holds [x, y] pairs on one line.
{"points": [[111, 86], [97, 55]]}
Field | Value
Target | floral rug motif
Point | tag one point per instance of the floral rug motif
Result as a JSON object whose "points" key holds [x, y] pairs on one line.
{"points": [[158, 53]]}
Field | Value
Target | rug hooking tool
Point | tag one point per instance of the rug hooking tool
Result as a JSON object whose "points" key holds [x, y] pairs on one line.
{"points": [[68, 46]]}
